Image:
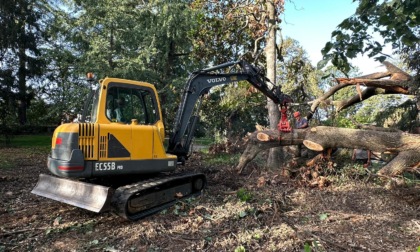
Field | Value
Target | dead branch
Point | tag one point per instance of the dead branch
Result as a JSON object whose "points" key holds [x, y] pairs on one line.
{"points": [[397, 86], [397, 83]]}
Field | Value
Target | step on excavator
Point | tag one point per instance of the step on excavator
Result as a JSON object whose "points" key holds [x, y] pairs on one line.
{"points": [[115, 159]]}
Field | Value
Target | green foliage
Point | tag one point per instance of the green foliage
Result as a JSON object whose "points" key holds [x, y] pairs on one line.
{"points": [[411, 179], [147, 41], [307, 247], [297, 78], [323, 216], [134, 40], [20, 62], [396, 112], [232, 30], [296, 74], [42, 113], [225, 31], [222, 159], [338, 120], [244, 195], [241, 110], [161, 42], [328, 113], [240, 249], [396, 21], [351, 171], [26, 141]]}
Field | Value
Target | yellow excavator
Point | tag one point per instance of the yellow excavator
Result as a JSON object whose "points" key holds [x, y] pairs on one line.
{"points": [[115, 158]]}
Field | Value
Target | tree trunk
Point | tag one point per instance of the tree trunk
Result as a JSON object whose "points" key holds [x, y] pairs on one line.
{"points": [[405, 146], [22, 106], [276, 155]]}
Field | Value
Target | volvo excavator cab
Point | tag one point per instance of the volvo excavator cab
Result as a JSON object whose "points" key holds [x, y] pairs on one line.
{"points": [[123, 134]]}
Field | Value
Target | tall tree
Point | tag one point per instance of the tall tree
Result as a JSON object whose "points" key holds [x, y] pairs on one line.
{"points": [[65, 86], [276, 154], [20, 51]]}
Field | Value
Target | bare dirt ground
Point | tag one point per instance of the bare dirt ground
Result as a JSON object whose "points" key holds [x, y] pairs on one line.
{"points": [[255, 211]]}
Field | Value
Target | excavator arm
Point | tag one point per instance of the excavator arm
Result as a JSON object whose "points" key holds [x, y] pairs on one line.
{"points": [[199, 84]]}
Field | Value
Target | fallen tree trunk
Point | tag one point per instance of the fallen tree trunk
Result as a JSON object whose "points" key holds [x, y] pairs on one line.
{"points": [[405, 146]]}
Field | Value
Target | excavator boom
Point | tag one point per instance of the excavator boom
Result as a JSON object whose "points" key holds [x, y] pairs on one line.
{"points": [[199, 84]]}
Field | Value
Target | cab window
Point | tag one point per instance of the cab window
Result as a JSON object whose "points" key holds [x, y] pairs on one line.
{"points": [[126, 103]]}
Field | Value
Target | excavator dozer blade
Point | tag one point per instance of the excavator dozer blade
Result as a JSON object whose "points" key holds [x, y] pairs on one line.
{"points": [[92, 197]]}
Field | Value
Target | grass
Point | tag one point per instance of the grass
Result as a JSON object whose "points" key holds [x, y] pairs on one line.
{"points": [[5, 163], [28, 145], [204, 141], [202, 144], [222, 159], [28, 141]]}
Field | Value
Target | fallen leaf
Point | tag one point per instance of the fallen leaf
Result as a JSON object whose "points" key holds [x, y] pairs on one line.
{"points": [[57, 221], [261, 182]]}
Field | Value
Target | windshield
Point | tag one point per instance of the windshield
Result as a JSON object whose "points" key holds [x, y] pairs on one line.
{"points": [[125, 103]]}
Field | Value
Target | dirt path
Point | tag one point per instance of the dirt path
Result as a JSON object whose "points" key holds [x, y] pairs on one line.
{"points": [[277, 216]]}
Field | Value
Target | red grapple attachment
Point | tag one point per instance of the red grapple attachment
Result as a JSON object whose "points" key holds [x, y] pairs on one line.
{"points": [[284, 125]]}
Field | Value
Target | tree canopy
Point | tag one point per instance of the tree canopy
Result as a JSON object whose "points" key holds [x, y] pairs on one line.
{"points": [[395, 21]]}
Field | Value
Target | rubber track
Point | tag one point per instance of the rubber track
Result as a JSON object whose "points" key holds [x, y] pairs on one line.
{"points": [[123, 193]]}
